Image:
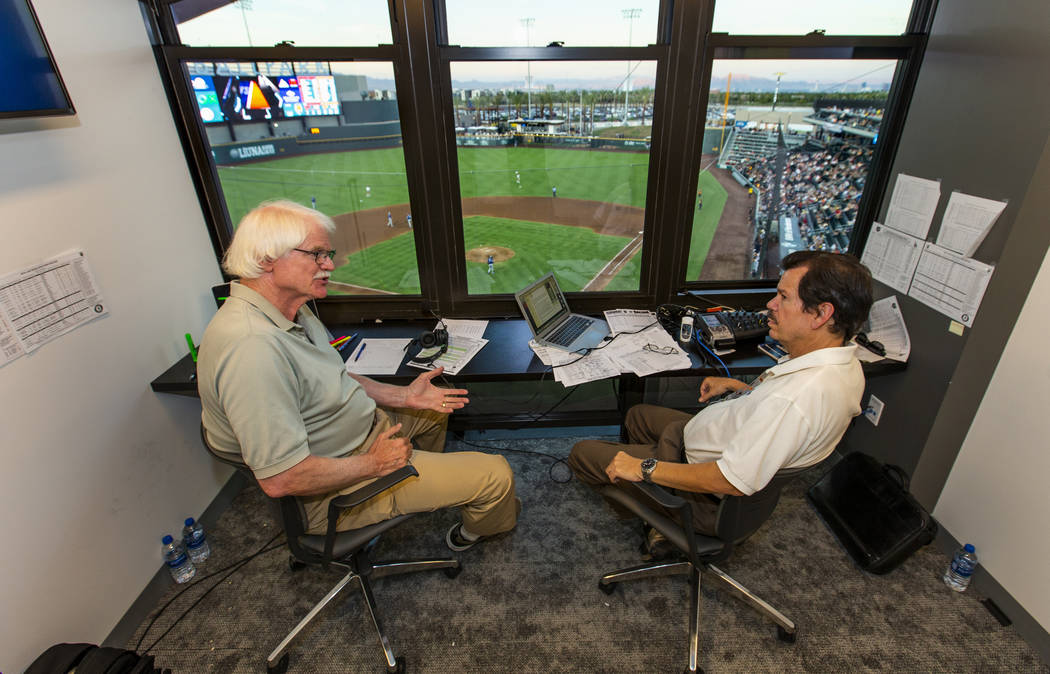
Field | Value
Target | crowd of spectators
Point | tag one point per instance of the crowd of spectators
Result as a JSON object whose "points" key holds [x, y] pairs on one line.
{"points": [[866, 119], [820, 189]]}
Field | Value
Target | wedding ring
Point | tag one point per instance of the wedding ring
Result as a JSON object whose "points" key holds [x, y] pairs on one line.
{"points": [[443, 404]]}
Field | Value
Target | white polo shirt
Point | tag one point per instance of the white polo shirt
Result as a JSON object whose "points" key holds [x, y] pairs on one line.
{"points": [[796, 413]]}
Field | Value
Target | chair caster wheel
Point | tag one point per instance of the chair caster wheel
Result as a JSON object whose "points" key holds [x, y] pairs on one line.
{"points": [[785, 636], [280, 668], [453, 571], [607, 588], [398, 668], [294, 564]]}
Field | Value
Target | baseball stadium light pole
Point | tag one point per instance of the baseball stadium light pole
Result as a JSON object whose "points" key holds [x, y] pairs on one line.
{"points": [[246, 5], [630, 15], [527, 22], [777, 90]]}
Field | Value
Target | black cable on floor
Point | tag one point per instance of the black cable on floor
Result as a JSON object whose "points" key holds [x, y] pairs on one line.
{"points": [[550, 470], [235, 566]]}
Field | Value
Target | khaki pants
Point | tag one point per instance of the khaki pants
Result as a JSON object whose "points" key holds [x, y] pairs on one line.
{"points": [[652, 431], [481, 485]]}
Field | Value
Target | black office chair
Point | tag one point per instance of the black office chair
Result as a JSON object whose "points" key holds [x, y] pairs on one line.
{"points": [[738, 517], [347, 549]]}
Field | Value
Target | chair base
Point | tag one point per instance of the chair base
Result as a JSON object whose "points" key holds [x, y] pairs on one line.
{"points": [[786, 630], [277, 661]]}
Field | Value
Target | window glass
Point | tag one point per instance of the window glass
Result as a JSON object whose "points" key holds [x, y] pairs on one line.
{"points": [[786, 159], [265, 23], [538, 23], [326, 135], [553, 178], [834, 17]]}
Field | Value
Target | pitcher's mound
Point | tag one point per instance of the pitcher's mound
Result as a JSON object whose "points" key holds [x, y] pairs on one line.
{"points": [[498, 253]]}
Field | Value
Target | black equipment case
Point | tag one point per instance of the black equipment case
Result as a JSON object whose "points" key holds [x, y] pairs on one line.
{"points": [[868, 507]]}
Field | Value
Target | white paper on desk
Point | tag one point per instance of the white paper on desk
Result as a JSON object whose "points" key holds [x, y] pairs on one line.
{"points": [[892, 256], [629, 320], [966, 221], [553, 356], [464, 327], [912, 205], [591, 367], [380, 356], [886, 326], [629, 350], [950, 283], [459, 352]]}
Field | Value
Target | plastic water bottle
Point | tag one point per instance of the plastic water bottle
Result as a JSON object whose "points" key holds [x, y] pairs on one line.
{"points": [[195, 542], [178, 562], [957, 575]]}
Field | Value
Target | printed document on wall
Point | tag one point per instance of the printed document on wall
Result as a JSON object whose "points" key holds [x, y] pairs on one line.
{"points": [[47, 300], [912, 205], [950, 283], [10, 348], [891, 256], [886, 326], [966, 221]]}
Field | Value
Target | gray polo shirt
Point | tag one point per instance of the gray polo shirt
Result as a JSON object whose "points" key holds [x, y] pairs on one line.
{"points": [[274, 391]]}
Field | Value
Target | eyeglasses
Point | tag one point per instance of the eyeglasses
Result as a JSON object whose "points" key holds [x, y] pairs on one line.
{"points": [[320, 256], [662, 350]]}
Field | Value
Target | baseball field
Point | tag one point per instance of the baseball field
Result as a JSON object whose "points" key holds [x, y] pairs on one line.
{"points": [[578, 213]]}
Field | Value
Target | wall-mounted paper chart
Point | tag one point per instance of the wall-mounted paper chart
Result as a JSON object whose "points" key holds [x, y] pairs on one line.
{"points": [[950, 283], [49, 299]]}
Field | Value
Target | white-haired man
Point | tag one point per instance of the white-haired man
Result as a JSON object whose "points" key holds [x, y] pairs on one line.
{"points": [[277, 396]]}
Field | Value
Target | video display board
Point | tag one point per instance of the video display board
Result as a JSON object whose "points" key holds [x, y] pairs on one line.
{"points": [[262, 97]]}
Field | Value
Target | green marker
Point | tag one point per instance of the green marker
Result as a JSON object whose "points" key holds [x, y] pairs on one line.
{"points": [[193, 349]]}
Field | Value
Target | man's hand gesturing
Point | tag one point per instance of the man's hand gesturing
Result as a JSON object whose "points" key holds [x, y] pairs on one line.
{"points": [[389, 453]]}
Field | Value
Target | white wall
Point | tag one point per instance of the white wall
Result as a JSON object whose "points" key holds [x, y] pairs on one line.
{"points": [[996, 494], [96, 467]]}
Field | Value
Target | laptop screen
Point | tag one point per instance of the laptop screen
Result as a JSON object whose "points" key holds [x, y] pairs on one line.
{"points": [[542, 303]]}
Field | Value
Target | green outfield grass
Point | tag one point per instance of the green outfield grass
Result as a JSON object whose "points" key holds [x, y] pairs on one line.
{"points": [[705, 222], [384, 264], [342, 182]]}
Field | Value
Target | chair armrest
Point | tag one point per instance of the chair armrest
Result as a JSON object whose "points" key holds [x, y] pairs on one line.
{"points": [[356, 498], [359, 496], [661, 496]]}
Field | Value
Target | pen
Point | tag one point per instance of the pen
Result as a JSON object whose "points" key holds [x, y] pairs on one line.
{"points": [[193, 349], [348, 340], [360, 351]]}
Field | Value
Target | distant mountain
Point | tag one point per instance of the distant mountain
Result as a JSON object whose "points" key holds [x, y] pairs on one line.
{"points": [[740, 83]]}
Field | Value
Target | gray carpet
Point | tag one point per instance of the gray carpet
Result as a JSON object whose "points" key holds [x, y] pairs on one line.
{"points": [[528, 601]]}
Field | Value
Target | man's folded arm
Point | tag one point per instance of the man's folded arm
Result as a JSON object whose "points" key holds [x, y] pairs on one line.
{"points": [[701, 478], [319, 475]]}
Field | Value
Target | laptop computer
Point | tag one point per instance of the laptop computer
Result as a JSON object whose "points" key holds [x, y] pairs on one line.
{"points": [[547, 313]]}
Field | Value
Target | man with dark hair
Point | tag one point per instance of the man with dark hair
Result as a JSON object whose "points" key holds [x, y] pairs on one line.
{"points": [[791, 416]]}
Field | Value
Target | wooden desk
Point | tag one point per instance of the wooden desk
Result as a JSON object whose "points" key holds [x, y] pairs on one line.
{"points": [[507, 357]]}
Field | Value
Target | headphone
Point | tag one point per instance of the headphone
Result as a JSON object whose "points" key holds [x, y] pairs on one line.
{"points": [[430, 339]]}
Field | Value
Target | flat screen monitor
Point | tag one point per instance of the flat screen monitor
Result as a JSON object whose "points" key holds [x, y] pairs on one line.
{"points": [[257, 98], [32, 86]]}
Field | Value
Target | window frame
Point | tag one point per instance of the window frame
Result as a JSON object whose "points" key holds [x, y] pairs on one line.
{"points": [[684, 52]]}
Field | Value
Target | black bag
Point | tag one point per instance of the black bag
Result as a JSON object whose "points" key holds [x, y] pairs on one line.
{"points": [[869, 509], [92, 659]]}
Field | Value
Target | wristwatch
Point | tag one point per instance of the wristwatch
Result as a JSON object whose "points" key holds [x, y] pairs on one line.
{"points": [[648, 466]]}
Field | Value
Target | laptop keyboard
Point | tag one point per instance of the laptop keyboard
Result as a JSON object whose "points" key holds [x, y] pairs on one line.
{"points": [[569, 330]]}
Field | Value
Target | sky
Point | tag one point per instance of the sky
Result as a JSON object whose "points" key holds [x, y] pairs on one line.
{"points": [[574, 22]]}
